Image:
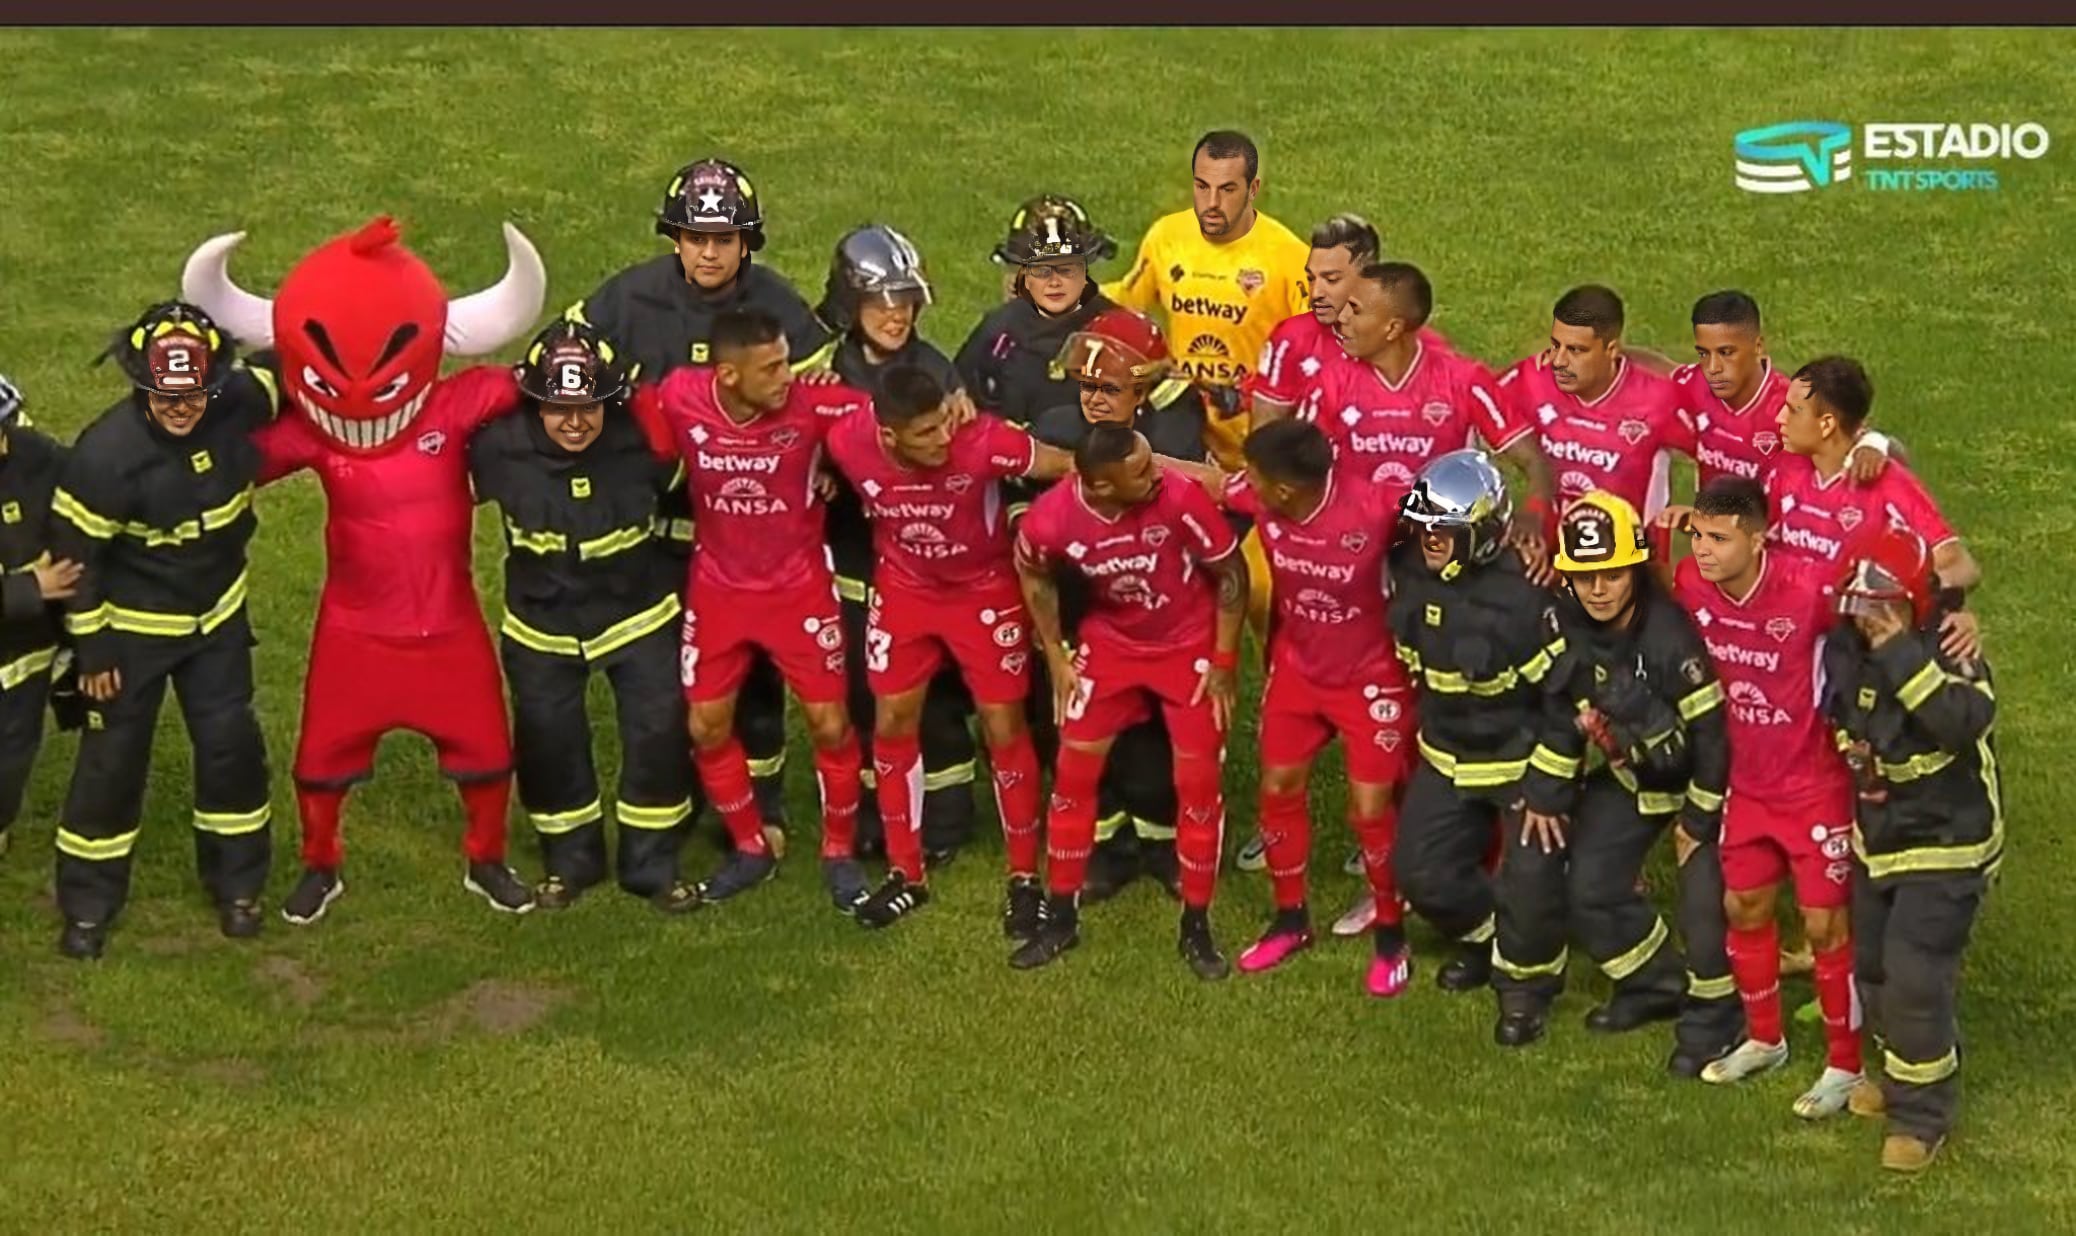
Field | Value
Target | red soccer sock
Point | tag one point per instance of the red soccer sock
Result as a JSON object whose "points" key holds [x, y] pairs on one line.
{"points": [[897, 766], [1376, 836], [837, 774], [725, 772], [1286, 833], [320, 810], [1835, 995], [1199, 826], [1071, 823], [486, 804], [1755, 963], [1016, 801]]}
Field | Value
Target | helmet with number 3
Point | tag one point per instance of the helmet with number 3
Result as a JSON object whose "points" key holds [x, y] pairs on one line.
{"points": [[571, 363], [1600, 532]]}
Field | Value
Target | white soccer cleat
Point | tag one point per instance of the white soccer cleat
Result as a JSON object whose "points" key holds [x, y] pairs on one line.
{"points": [[1749, 1059], [1360, 917], [1828, 1097], [1254, 856]]}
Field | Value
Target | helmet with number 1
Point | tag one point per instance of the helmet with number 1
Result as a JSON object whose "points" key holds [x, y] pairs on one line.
{"points": [[174, 349], [1600, 532], [1464, 494], [872, 261], [712, 195], [571, 363], [1894, 567], [1052, 227], [1117, 345]]}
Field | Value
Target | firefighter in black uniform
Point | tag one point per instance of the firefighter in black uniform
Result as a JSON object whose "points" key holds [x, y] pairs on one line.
{"points": [[1480, 640], [877, 291], [1118, 361], [31, 658], [660, 314], [1651, 732], [1917, 729], [589, 585], [1007, 363], [155, 503]]}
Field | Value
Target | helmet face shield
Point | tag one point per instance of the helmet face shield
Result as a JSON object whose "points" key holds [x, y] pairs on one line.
{"points": [[1462, 492]]}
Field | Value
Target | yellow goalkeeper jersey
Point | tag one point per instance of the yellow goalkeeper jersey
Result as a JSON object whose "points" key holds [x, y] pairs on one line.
{"points": [[1217, 303]]}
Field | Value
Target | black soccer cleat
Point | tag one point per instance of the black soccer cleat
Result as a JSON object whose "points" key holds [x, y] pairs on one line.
{"points": [[1519, 1027], [1024, 908], [312, 896], [239, 919], [83, 941], [1469, 970], [1201, 952], [739, 872], [892, 901], [845, 880], [682, 897], [1622, 1014], [500, 886], [1054, 937]]}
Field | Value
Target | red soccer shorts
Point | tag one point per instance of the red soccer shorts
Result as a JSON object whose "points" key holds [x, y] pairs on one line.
{"points": [[1373, 716], [360, 687], [1809, 837], [908, 635], [798, 627], [1117, 690]]}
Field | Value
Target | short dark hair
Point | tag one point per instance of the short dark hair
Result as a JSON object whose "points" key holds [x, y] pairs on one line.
{"points": [[738, 329], [1351, 232], [1591, 305], [1741, 496], [1405, 282], [1842, 383], [905, 393], [1290, 452], [1228, 144], [1729, 307], [1105, 444]]}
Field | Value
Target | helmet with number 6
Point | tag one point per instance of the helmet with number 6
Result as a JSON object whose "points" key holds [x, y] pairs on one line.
{"points": [[1462, 493], [1600, 532], [569, 362]]}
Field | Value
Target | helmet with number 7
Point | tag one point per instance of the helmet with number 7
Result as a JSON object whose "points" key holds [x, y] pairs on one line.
{"points": [[1464, 494], [571, 363], [1600, 532], [1894, 567], [1117, 345]]}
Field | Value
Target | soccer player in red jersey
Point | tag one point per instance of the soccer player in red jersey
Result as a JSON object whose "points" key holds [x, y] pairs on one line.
{"points": [[1789, 810], [751, 440], [1168, 599], [944, 585], [1331, 672], [1606, 422]]}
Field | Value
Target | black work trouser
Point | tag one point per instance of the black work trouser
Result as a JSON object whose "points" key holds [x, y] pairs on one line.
{"points": [[1711, 1016], [21, 737], [1909, 932], [947, 744], [1607, 843], [1444, 834]]}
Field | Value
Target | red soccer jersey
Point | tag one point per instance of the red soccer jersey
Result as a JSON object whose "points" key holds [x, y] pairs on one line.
{"points": [[1329, 582], [1768, 651], [942, 529], [1621, 442], [1740, 441], [1298, 349], [1817, 519], [1383, 434], [754, 510], [1146, 595], [399, 526]]}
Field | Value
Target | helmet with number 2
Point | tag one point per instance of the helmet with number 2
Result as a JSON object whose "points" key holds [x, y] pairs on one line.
{"points": [[173, 348], [1600, 532], [571, 363]]}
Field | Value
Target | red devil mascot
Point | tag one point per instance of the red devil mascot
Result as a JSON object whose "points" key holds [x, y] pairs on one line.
{"points": [[360, 326]]}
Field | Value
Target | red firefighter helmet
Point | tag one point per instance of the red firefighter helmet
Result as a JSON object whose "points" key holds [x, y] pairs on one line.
{"points": [[1117, 344], [1892, 567]]}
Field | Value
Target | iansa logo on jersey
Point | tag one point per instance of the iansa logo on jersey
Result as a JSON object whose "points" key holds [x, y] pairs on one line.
{"points": [[1801, 155]]}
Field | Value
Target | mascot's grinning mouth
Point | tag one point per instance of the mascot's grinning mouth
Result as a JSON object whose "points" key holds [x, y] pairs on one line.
{"points": [[362, 435]]}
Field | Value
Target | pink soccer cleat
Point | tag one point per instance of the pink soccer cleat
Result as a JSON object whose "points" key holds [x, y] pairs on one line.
{"points": [[1390, 973], [1273, 949]]}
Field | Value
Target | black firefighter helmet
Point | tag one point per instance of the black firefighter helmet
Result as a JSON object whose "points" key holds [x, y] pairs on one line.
{"points": [[173, 348], [872, 260], [712, 195], [570, 362], [1052, 226]]}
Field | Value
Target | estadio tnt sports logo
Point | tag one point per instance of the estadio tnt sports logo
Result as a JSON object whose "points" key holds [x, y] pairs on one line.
{"points": [[1802, 155]]}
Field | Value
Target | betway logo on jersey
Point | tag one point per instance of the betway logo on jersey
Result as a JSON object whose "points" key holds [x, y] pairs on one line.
{"points": [[1713, 458], [1568, 450], [1386, 443], [1811, 542], [1119, 566], [913, 510], [765, 464], [1331, 572], [1737, 654], [1801, 155], [1205, 307]]}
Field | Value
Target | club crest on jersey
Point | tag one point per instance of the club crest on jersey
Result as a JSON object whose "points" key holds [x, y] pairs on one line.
{"points": [[958, 483], [698, 434], [1354, 542], [1250, 281], [1014, 662], [1780, 628], [432, 442], [785, 438], [1849, 518], [1077, 551], [869, 488], [1387, 739], [1351, 415], [1766, 441], [1632, 432], [1434, 412], [1176, 272], [1155, 537]]}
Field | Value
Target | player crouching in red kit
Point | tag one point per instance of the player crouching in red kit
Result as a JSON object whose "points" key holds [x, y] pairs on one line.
{"points": [[1168, 602]]}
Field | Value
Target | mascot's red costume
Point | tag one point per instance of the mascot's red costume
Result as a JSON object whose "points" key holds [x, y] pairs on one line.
{"points": [[360, 326]]}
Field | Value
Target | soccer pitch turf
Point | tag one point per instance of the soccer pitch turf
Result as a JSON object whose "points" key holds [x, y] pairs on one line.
{"points": [[418, 1063]]}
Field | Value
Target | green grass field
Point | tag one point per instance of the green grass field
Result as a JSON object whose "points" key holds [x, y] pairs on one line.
{"points": [[418, 1064]]}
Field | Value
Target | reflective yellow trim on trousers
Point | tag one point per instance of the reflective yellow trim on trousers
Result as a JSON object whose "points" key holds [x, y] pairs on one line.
{"points": [[946, 778], [618, 541], [75, 512], [1711, 988], [606, 642], [105, 849], [1482, 932], [556, 823], [1548, 969], [652, 819], [770, 766], [110, 616], [234, 823], [1699, 702], [1925, 1074], [27, 666], [1621, 967], [853, 590], [1472, 776], [1107, 827], [1150, 831]]}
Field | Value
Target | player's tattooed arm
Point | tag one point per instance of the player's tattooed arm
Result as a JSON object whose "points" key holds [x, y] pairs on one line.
{"points": [[1220, 683], [1042, 598]]}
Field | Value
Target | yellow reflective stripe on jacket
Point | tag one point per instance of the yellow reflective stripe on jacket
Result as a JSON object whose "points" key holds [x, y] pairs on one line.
{"points": [[212, 520], [1921, 1074], [265, 377], [1469, 775], [1704, 800], [618, 541], [556, 823], [109, 616], [612, 639], [234, 823], [1921, 685], [1696, 703], [946, 778], [535, 542], [96, 850], [1653, 802], [1168, 392], [817, 359], [1986, 853], [853, 590], [671, 529], [652, 819], [27, 666], [1916, 767], [1561, 766], [1629, 962], [1511, 970], [75, 512], [1452, 682]]}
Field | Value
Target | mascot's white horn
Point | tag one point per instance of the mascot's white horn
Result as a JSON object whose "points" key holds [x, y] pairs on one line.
{"points": [[480, 324], [206, 282]]}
